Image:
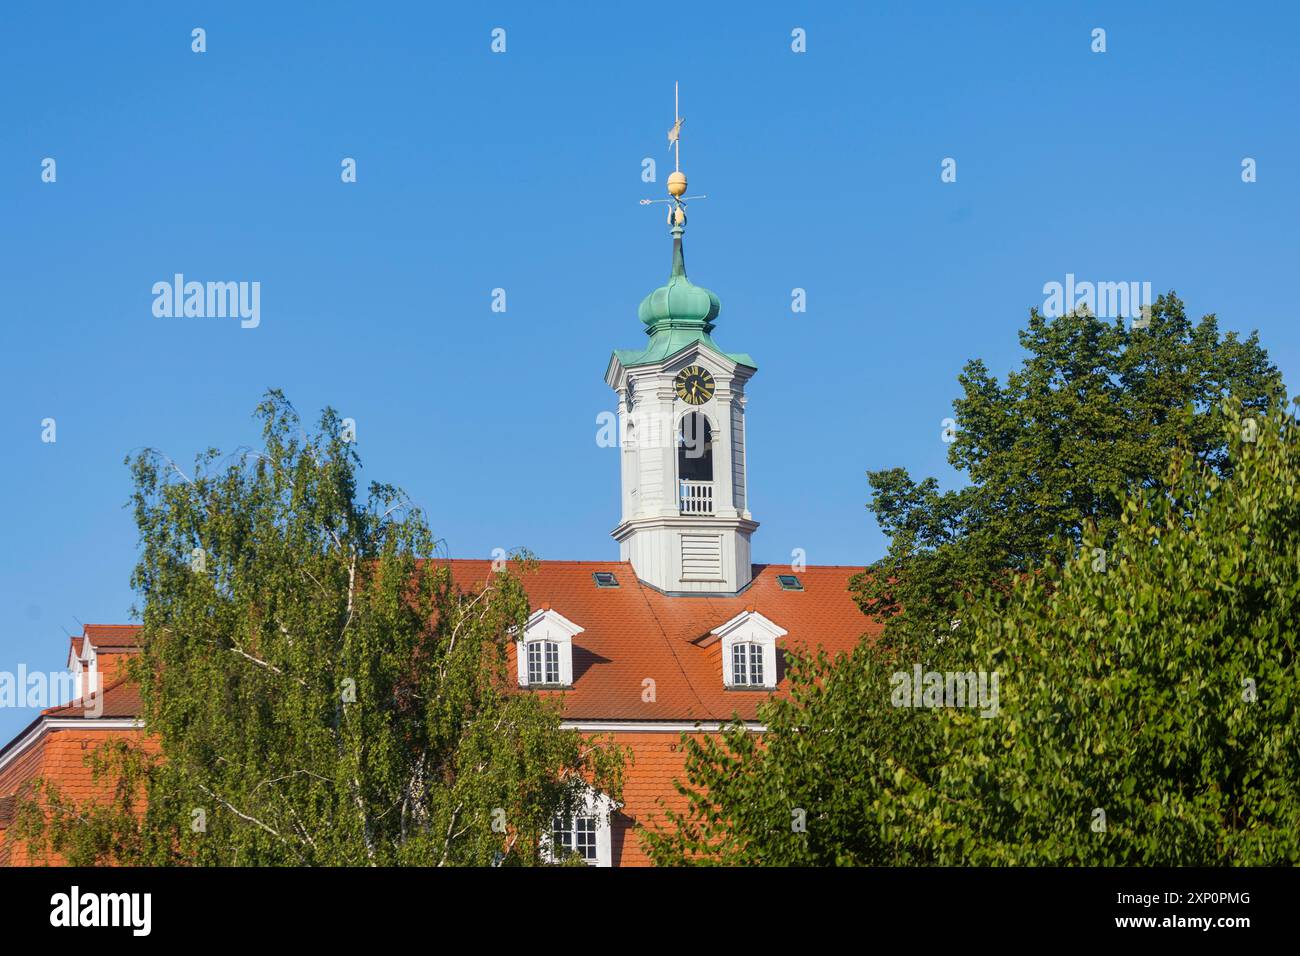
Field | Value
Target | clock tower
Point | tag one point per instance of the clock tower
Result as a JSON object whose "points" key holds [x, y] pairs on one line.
{"points": [[685, 524]]}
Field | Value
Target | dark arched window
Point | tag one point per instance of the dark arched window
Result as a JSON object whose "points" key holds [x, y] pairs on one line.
{"points": [[695, 449]]}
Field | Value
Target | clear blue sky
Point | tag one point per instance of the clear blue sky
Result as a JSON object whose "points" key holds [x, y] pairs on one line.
{"points": [[522, 171]]}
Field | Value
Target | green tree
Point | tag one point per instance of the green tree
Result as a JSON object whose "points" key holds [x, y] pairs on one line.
{"points": [[812, 789], [1092, 413], [1148, 701], [319, 690], [1088, 421]]}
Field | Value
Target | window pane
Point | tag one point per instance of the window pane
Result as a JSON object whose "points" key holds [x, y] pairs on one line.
{"points": [[585, 837], [747, 665], [552, 662], [534, 662], [561, 838]]}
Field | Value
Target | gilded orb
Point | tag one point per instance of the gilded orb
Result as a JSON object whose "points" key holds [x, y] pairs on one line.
{"points": [[677, 183]]}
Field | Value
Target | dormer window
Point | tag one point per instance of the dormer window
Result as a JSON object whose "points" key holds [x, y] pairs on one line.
{"points": [[585, 834], [545, 650], [85, 668], [749, 651], [543, 662], [575, 836], [747, 664]]}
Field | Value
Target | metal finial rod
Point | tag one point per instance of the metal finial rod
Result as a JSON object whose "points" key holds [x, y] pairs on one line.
{"points": [[647, 202], [677, 179], [675, 134]]}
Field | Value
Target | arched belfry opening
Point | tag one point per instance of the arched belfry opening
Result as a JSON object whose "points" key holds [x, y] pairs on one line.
{"points": [[695, 448], [695, 464]]}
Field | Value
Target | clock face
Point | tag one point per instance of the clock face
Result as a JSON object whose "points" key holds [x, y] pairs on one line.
{"points": [[694, 385]]}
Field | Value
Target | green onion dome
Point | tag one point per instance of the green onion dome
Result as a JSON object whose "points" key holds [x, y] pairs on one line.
{"points": [[680, 304]]}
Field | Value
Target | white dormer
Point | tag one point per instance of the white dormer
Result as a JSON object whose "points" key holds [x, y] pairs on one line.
{"points": [[588, 834], [545, 651], [749, 651], [86, 668]]}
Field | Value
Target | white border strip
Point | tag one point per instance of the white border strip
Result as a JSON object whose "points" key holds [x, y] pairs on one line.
{"points": [[60, 723], [587, 726], [96, 723], [649, 727]]}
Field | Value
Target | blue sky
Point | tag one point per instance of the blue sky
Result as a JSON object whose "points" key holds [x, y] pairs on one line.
{"points": [[522, 171]]}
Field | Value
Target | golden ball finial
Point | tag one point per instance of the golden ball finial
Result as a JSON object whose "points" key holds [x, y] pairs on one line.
{"points": [[677, 184]]}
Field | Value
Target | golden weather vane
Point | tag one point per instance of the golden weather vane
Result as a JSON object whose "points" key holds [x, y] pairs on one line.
{"points": [[675, 134], [677, 180]]}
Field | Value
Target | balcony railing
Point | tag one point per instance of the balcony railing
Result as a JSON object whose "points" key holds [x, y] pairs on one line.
{"points": [[695, 497]]}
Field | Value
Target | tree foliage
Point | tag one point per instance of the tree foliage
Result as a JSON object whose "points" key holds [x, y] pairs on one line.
{"points": [[1092, 413], [1149, 703], [1124, 560], [320, 691]]}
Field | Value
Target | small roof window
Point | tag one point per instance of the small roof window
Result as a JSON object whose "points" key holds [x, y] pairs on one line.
{"points": [[789, 582], [605, 579]]}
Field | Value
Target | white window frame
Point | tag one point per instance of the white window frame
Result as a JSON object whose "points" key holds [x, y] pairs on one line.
{"points": [[548, 661], [749, 627], [601, 808], [580, 825], [551, 626], [753, 655]]}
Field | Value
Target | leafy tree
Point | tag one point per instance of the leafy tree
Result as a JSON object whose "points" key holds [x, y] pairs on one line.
{"points": [[1093, 413], [1150, 711], [809, 790], [1089, 421], [319, 691], [1148, 701]]}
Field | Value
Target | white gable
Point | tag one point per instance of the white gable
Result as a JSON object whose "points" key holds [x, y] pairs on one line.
{"points": [[601, 807], [548, 625], [749, 627]]}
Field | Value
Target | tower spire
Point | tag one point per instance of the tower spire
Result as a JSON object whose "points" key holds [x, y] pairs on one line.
{"points": [[676, 185], [686, 523]]}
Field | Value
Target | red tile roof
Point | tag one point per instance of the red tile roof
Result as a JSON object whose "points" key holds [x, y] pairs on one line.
{"points": [[121, 699], [634, 632], [59, 756], [111, 638], [631, 633]]}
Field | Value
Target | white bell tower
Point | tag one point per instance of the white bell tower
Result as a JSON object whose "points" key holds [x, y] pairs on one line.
{"points": [[685, 524]]}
